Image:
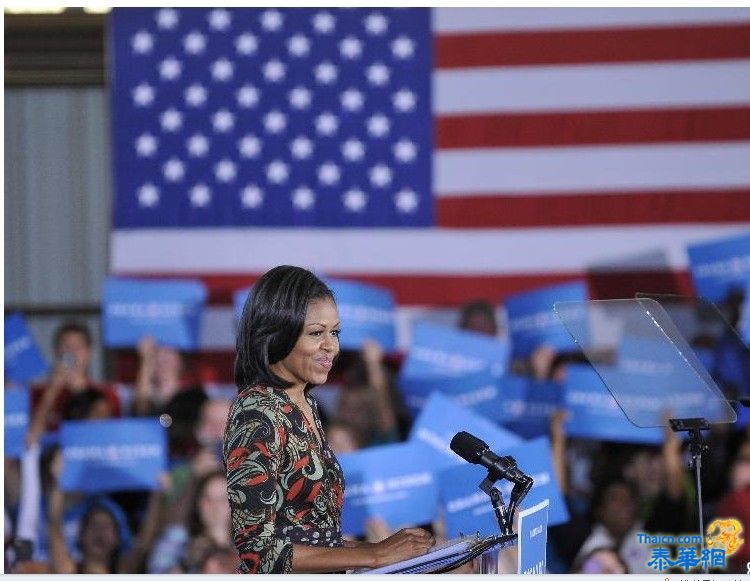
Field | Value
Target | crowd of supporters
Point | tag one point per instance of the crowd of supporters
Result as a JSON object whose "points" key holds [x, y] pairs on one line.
{"points": [[611, 489]]}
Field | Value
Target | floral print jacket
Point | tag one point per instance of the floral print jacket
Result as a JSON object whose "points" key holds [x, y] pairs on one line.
{"points": [[284, 486]]}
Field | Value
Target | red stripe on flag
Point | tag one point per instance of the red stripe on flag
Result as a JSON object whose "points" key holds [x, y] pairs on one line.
{"points": [[660, 207], [612, 127], [496, 49]]}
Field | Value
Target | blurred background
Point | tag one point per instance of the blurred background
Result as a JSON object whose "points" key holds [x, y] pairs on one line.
{"points": [[457, 160]]}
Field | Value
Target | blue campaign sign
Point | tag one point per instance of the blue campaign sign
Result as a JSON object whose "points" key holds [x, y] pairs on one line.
{"points": [[366, 312], [745, 322], [438, 349], [442, 418], [109, 455], [594, 413], [532, 539], [17, 410], [510, 404], [238, 299], [467, 509], [476, 391], [168, 310], [394, 482], [541, 400], [23, 359], [720, 266], [532, 321]]}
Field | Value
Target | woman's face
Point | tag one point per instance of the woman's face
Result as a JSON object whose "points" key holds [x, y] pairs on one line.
{"points": [[316, 348], [213, 505], [100, 537]]}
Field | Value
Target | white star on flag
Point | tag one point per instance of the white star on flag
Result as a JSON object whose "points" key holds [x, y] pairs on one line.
{"points": [[196, 95], [404, 100], [143, 95], [251, 196], [301, 147], [274, 121], [326, 73], [277, 172], [222, 69], [376, 23], [142, 42], [148, 195], [219, 19], [326, 124], [194, 43], [171, 120], [355, 200], [247, 96], [298, 45], [250, 146], [167, 18], [146, 145], [300, 98], [404, 150], [272, 20], [406, 201], [170, 69], [324, 22], [222, 120], [303, 198], [350, 48], [352, 99], [197, 145], [173, 170], [225, 171], [329, 173], [246, 44], [378, 125], [274, 71], [378, 74], [353, 149], [200, 195], [403, 47], [380, 175]]}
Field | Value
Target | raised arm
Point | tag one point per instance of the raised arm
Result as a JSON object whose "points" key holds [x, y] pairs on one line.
{"points": [[372, 353], [146, 368], [60, 558]]}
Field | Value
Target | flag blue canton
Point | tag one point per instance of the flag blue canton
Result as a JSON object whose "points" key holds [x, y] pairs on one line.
{"points": [[292, 117]]}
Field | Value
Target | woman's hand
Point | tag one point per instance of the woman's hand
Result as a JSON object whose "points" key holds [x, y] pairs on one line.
{"points": [[405, 544]]}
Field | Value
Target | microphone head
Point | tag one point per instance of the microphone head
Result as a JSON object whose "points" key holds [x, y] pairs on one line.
{"points": [[469, 447]]}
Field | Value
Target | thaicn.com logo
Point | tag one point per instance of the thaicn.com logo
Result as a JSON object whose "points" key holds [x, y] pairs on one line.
{"points": [[686, 552]]}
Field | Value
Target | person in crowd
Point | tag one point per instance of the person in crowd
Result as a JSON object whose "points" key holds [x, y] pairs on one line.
{"points": [[205, 524], [735, 504], [285, 485], [163, 388], [343, 437], [72, 346], [478, 316], [601, 561]]}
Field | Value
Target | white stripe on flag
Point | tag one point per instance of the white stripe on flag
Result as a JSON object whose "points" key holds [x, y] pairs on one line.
{"points": [[592, 87], [525, 171], [458, 20], [430, 250]]}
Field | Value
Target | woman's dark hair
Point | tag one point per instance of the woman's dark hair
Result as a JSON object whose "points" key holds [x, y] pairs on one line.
{"points": [[272, 321], [71, 327], [195, 526]]}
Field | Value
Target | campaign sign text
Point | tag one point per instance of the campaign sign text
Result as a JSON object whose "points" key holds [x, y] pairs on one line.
{"points": [[594, 413], [17, 407], [541, 400], [23, 359], [720, 267], [532, 539], [394, 482], [442, 418], [110, 455], [167, 310], [442, 350], [532, 321], [366, 312], [473, 390], [467, 509]]}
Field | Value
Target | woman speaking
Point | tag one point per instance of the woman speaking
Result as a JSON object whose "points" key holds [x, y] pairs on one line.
{"points": [[285, 485]]}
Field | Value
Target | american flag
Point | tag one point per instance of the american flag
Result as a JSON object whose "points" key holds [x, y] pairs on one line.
{"points": [[447, 154]]}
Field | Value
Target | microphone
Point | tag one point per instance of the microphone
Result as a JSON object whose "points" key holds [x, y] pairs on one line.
{"points": [[474, 450]]}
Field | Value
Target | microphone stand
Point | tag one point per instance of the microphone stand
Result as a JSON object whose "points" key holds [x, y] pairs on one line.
{"points": [[504, 514]]}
